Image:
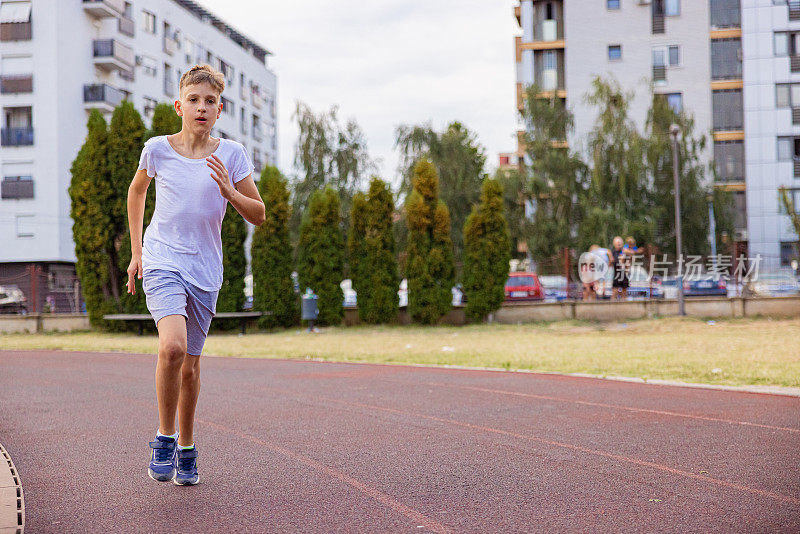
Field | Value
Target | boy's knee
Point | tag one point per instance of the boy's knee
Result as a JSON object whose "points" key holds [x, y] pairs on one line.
{"points": [[172, 351]]}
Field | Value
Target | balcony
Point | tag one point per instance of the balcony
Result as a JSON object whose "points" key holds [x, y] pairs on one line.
{"points": [[794, 9], [16, 136], [796, 162], [16, 187], [794, 62], [104, 8], [102, 96], [170, 45], [795, 115], [659, 24], [126, 26], [548, 30], [16, 83], [660, 74], [110, 54], [15, 31]]}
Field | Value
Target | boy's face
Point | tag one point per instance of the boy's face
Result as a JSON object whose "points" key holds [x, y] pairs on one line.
{"points": [[200, 106]]}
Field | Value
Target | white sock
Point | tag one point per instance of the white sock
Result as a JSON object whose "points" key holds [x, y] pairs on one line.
{"points": [[185, 447], [173, 436]]}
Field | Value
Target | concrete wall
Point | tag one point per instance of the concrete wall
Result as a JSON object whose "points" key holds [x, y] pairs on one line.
{"points": [[37, 322]]}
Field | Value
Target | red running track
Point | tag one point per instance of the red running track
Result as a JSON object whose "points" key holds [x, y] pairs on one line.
{"points": [[336, 447]]}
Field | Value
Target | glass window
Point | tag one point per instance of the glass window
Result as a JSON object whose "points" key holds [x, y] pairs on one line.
{"points": [[659, 57], [785, 148], [725, 14], [782, 99], [726, 59], [148, 22], [614, 52], [781, 44], [612, 4], [674, 56], [673, 8], [795, 95], [675, 101], [729, 159], [727, 109]]}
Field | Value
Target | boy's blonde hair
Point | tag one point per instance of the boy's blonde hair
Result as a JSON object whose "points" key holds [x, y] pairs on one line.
{"points": [[203, 74]]}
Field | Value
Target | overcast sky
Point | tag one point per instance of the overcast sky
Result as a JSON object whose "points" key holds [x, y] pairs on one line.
{"points": [[388, 62]]}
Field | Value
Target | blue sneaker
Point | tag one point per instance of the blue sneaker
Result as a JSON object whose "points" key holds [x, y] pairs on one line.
{"points": [[162, 462], [186, 474]]}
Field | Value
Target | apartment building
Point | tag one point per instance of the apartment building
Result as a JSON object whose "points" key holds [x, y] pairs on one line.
{"points": [[61, 58], [730, 63]]}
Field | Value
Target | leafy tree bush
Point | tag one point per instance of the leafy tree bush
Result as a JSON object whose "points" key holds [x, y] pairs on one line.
{"points": [[273, 289], [373, 265], [430, 251], [486, 253], [320, 258]]}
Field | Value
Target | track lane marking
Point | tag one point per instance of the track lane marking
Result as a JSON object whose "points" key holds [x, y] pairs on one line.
{"points": [[374, 493], [602, 405], [643, 463]]}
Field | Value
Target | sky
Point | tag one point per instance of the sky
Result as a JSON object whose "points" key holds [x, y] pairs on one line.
{"points": [[386, 63]]}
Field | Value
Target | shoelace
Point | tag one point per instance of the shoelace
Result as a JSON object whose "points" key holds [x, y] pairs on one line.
{"points": [[186, 464], [163, 455]]}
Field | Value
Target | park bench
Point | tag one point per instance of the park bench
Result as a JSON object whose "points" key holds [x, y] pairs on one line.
{"points": [[141, 318]]}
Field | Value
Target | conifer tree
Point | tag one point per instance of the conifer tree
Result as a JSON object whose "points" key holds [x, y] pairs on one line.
{"points": [[373, 265], [320, 258], [486, 253], [91, 196], [273, 289], [430, 252]]}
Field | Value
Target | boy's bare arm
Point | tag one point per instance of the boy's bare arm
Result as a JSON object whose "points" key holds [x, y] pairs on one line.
{"points": [[137, 194], [244, 197]]}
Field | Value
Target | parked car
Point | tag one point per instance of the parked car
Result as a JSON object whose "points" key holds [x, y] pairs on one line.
{"points": [[780, 284], [12, 300], [640, 284], [555, 287], [523, 286]]}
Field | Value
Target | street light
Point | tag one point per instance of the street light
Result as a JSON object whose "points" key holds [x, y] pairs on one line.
{"points": [[675, 132]]}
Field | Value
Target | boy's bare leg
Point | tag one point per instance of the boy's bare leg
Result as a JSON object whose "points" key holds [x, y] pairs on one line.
{"points": [[190, 388], [171, 352]]}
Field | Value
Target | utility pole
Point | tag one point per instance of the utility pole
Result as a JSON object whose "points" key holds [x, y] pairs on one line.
{"points": [[675, 132]]}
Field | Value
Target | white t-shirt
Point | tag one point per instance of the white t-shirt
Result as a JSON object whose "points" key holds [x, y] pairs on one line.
{"points": [[184, 234]]}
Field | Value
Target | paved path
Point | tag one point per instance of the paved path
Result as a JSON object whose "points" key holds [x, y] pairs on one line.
{"points": [[334, 447]]}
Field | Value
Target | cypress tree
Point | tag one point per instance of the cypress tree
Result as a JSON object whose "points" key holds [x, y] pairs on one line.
{"points": [[430, 251], [373, 265], [486, 253], [273, 289], [320, 258], [91, 196], [125, 143]]}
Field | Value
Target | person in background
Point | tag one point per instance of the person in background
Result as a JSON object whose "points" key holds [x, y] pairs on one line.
{"points": [[618, 260], [604, 259]]}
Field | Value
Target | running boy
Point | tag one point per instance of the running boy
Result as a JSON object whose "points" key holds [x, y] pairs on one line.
{"points": [[196, 175]]}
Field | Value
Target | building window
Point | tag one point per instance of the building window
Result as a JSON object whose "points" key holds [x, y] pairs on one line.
{"points": [[789, 252], [674, 56], [725, 14], [24, 225], [794, 200], [729, 160], [169, 81], [16, 187], [612, 4], [675, 101], [727, 109], [787, 95], [726, 59], [227, 107], [243, 117], [614, 52], [148, 64], [673, 8], [148, 22], [149, 106]]}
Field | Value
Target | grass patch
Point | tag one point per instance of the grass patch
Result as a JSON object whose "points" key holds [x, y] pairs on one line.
{"points": [[730, 351]]}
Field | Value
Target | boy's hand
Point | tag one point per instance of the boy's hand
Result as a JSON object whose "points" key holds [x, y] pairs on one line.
{"points": [[133, 268], [220, 175]]}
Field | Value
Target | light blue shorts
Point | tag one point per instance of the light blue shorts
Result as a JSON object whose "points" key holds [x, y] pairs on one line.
{"points": [[167, 293]]}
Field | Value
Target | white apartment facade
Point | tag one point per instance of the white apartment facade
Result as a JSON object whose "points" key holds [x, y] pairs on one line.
{"points": [[730, 63], [61, 58]]}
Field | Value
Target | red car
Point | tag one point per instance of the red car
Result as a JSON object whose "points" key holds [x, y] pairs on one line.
{"points": [[523, 286]]}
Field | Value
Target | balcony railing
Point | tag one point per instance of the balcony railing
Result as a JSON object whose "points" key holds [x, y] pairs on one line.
{"points": [[126, 26], [104, 8], [794, 9], [659, 73], [15, 31], [16, 136], [659, 24], [794, 62], [16, 83], [113, 54], [796, 166], [795, 115], [548, 30], [101, 95], [16, 187]]}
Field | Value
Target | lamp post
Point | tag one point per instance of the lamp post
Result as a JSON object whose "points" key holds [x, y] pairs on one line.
{"points": [[675, 132]]}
